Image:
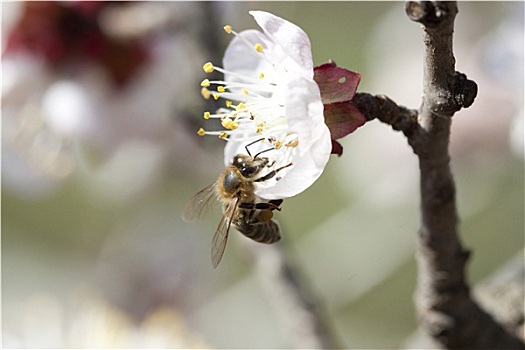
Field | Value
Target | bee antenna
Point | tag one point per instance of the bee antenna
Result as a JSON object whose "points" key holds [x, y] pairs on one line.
{"points": [[266, 150], [251, 143]]}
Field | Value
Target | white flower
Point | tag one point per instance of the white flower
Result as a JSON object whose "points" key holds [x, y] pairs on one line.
{"points": [[271, 95]]}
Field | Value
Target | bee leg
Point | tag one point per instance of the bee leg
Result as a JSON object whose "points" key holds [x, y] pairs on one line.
{"points": [[269, 165], [272, 173], [276, 203], [262, 216], [271, 205]]}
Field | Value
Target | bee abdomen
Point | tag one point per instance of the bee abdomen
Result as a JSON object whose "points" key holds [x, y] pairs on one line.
{"points": [[264, 232]]}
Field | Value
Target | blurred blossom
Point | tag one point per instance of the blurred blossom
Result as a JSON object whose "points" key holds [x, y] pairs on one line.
{"points": [[151, 259], [43, 321], [79, 91], [68, 34]]}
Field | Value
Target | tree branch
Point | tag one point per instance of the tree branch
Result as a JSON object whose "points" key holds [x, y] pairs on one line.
{"points": [[301, 312], [443, 300]]}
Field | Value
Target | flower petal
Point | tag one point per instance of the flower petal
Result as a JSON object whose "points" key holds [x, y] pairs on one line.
{"points": [[304, 111], [306, 170], [243, 60], [288, 112], [292, 39]]}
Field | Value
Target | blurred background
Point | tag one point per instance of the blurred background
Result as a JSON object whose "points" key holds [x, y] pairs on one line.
{"points": [[100, 107]]}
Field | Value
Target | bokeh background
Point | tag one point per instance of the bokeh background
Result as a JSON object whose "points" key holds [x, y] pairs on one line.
{"points": [[100, 107]]}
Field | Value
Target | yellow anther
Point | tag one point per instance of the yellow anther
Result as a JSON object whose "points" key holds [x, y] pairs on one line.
{"points": [[278, 144], [258, 47], [216, 96], [221, 88], [240, 106], [244, 91], [205, 83], [228, 103], [261, 124], [259, 130], [208, 67], [225, 121], [207, 115], [205, 93], [230, 124], [261, 75], [201, 132], [228, 29], [223, 135], [293, 143]]}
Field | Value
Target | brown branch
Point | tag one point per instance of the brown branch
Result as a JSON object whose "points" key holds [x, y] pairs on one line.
{"points": [[443, 299], [387, 111], [300, 310]]}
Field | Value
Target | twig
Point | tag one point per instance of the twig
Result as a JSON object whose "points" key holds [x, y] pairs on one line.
{"points": [[443, 300], [443, 297], [300, 311]]}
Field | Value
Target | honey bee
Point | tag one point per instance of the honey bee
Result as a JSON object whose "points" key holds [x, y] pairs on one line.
{"points": [[235, 190]]}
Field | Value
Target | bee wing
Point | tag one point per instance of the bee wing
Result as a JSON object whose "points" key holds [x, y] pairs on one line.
{"points": [[199, 204], [221, 234]]}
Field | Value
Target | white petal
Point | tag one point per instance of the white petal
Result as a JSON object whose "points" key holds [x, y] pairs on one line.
{"points": [[304, 111], [287, 63], [241, 59], [305, 172], [292, 39], [232, 149]]}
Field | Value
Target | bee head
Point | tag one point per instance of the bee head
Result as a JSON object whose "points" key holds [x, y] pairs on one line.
{"points": [[249, 166]]}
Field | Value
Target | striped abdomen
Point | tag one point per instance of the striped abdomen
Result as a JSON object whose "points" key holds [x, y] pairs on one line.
{"points": [[262, 232]]}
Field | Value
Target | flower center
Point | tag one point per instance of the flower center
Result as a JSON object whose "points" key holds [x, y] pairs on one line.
{"points": [[254, 105]]}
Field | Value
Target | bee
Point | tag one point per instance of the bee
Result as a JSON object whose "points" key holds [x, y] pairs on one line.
{"points": [[235, 190]]}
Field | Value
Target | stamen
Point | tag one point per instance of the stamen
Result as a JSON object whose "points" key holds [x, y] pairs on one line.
{"points": [[230, 124], [250, 110], [205, 93], [293, 143], [208, 67]]}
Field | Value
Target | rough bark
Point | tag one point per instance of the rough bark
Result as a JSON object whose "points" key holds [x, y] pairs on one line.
{"points": [[444, 304]]}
